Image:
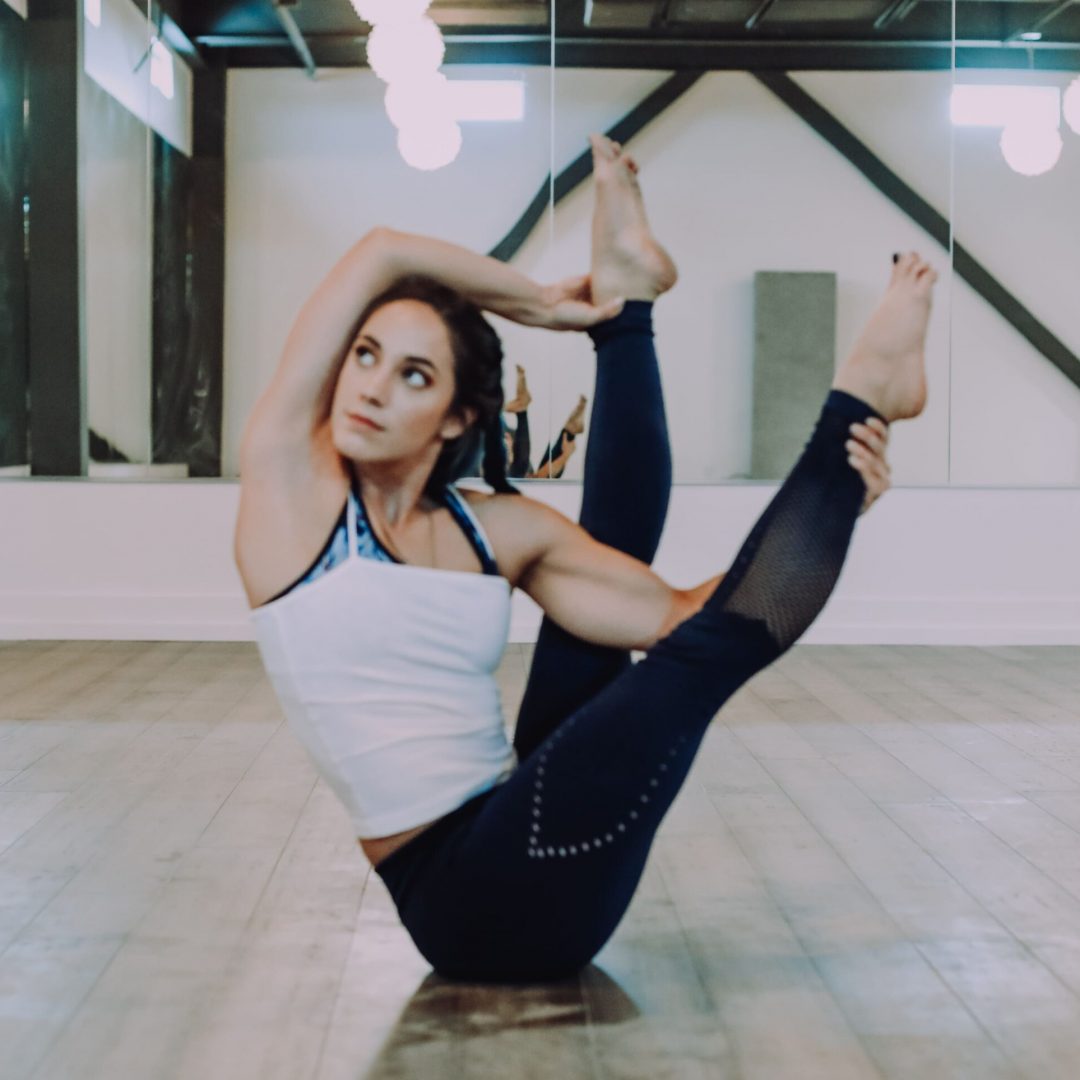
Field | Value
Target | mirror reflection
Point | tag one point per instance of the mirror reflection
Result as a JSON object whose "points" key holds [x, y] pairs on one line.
{"points": [[229, 154], [1015, 345]]}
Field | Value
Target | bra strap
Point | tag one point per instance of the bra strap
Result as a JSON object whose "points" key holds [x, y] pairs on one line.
{"points": [[350, 524], [460, 508]]}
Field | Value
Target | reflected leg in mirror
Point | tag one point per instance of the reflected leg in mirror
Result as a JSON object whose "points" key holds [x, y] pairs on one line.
{"points": [[519, 445], [558, 454]]}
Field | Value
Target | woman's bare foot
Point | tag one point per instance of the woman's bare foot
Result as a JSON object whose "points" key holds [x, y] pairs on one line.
{"points": [[575, 424], [522, 399], [627, 261], [887, 367]]}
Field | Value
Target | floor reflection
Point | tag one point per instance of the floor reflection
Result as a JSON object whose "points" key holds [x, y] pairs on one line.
{"points": [[514, 1029]]}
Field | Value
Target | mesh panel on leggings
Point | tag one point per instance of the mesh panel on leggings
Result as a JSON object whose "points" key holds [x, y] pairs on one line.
{"points": [[791, 560]]}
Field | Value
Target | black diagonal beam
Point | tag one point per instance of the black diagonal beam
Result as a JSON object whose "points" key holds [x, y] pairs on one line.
{"points": [[579, 170], [927, 218]]}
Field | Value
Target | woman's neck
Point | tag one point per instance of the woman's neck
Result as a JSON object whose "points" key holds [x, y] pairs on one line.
{"points": [[393, 495]]}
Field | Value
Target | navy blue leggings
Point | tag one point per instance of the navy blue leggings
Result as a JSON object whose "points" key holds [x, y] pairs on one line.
{"points": [[527, 881]]}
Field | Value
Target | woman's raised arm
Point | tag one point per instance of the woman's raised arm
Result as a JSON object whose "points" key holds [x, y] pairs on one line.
{"points": [[298, 395]]}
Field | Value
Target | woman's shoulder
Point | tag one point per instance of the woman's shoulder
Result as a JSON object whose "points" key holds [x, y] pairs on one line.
{"points": [[518, 516], [517, 526]]}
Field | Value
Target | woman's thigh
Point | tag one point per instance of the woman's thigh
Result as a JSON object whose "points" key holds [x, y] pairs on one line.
{"points": [[536, 876]]}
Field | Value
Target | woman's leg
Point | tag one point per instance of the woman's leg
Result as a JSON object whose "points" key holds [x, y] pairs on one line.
{"points": [[529, 880], [574, 426], [519, 466], [627, 481], [624, 503]]}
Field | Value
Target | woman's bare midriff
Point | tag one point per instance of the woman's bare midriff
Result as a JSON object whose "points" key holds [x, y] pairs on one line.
{"points": [[383, 846]]}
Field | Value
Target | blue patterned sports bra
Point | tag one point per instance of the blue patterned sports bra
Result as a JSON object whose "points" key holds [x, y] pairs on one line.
{"points": [[368, 547]]}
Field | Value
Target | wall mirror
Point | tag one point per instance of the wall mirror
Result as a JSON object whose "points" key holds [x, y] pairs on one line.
{"points": [[225, 154]]}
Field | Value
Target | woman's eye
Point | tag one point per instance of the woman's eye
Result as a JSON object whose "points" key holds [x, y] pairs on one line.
{"points": [[420, 379], [362, 351]]}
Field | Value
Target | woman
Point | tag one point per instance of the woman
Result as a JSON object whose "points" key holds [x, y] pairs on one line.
{"points": [[516, 863]]}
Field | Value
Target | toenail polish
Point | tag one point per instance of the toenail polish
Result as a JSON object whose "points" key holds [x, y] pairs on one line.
{"points": [[896, 257]]}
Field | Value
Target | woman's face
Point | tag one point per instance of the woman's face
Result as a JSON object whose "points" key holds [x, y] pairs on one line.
{"points": [[394, 392]]}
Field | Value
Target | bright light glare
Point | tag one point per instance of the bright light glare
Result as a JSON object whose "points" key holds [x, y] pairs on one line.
{"points": [[411, 102], [487, 99], [430, 146], [1031, 151], [402, 50], [376, 11], [161, 68], [1070, 105], [435, 98], [1002, 106], [92, 10]]}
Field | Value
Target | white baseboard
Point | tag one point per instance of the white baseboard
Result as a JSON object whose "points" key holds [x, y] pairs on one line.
{"points": [[845, 621]]}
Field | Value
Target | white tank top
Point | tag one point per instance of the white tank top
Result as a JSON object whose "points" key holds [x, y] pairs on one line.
{"points": [[386, 673]]}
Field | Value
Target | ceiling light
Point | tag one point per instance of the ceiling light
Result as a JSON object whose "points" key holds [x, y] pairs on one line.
{"points": [[430, 146], [409, 102], [1031, 35], [1031, 150], [1070, 105], [401, 50], [1002, 106]]}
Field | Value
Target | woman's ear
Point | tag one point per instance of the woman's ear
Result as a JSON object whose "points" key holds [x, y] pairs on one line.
{"points": [[455, 425]]}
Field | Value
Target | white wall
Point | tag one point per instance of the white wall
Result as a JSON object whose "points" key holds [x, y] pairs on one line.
{"points": [[927, 566], [734, 183]]}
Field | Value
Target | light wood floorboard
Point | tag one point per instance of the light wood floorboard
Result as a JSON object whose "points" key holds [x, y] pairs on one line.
{"points": [[873, 871]]}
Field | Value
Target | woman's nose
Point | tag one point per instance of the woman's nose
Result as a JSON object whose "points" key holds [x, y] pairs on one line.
{"points": [[374, 386]]}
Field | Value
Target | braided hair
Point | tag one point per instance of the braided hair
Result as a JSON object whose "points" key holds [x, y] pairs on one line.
{"points": [[478, 360]]}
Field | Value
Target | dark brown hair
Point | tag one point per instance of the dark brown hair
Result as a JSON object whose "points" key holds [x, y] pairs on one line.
{"points": [[478, 358]]}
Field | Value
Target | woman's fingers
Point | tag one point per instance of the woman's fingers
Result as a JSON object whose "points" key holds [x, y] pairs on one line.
{"points": [[874, 471], [871, 434]]}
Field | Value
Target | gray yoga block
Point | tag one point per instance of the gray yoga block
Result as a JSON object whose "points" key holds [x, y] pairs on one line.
{"points": [[794, 363]]}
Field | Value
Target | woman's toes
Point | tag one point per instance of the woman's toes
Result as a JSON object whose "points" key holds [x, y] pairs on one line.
{"points": [[601, 147]]}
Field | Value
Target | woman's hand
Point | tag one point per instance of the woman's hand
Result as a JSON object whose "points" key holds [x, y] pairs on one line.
{"points": [[567, 305], [866, 453]]}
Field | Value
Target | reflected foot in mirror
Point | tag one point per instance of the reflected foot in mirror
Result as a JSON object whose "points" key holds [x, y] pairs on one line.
{"points": [[522, 398], [887, 367], [552, 470], [575, 423], [627, 260]]}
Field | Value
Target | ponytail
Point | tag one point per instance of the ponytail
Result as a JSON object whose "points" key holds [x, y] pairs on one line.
{"points": [[494, 467]]}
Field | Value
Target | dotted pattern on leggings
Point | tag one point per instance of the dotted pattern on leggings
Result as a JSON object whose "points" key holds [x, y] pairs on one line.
{"points": [[540, 847]]}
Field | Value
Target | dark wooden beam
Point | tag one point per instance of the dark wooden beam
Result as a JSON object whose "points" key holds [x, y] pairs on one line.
{"points": [[57, 360]]}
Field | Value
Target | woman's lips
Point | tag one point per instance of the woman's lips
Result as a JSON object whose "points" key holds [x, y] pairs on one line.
{"points": [[365, 421]]}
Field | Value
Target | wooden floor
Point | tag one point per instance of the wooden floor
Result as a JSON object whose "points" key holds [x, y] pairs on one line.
{"points": [[873, 871]]}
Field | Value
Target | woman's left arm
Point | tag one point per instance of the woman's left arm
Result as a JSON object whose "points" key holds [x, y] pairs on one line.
{"points": [[605, 596], [593, 591]]}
